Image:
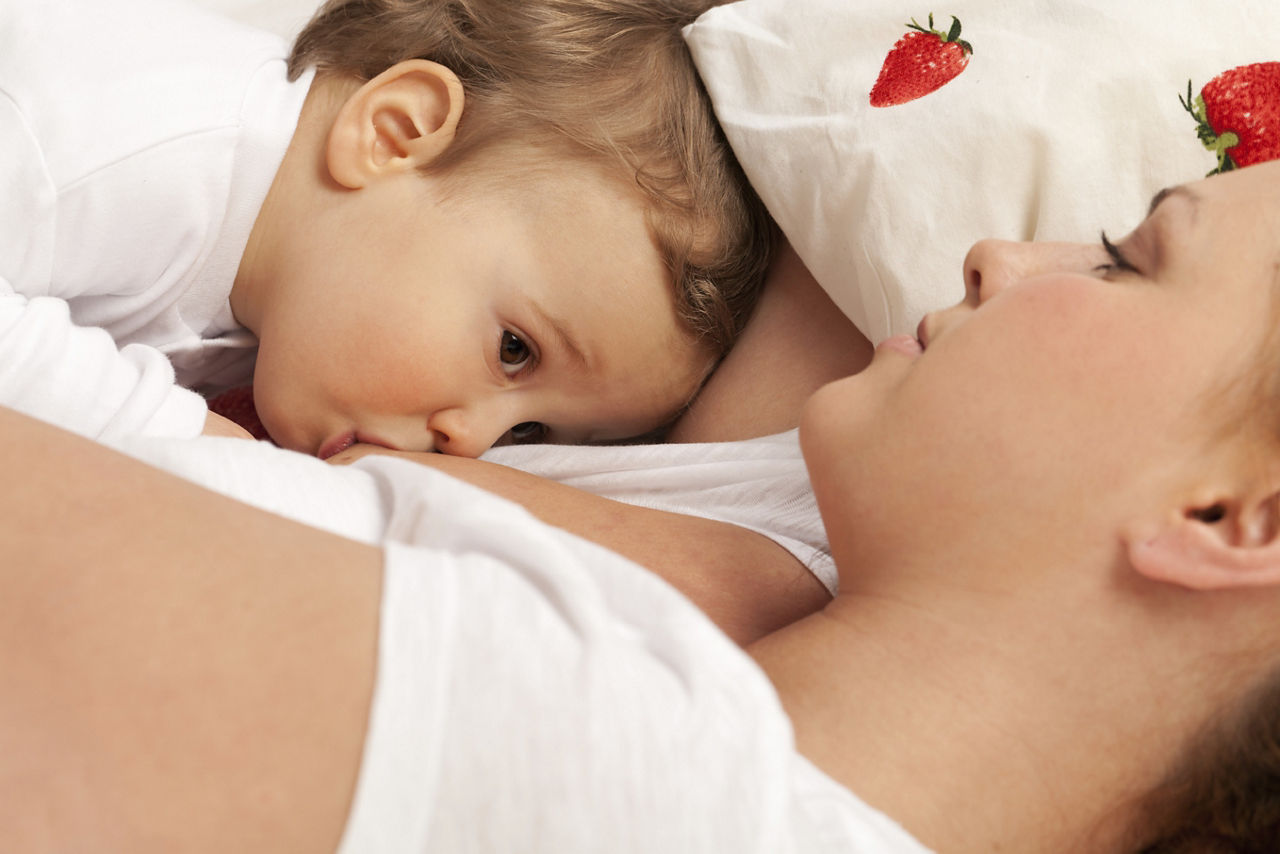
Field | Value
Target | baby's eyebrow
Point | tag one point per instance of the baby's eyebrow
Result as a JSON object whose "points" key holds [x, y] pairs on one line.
{"points": [[565, 339]]}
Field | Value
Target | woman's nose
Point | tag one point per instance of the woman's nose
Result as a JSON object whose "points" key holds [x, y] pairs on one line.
{"points": [[990, 267], [993, 265]]}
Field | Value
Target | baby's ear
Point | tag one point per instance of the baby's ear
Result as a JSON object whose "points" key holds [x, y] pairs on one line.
{"points": [[404, 118], [1216, 544]]}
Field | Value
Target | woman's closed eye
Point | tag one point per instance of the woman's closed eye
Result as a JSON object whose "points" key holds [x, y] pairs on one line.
{"points": [[1119, 263], [514, 354]]}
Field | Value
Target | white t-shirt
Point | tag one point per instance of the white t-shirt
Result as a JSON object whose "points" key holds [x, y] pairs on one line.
{"points": [[536, 692], [761, 484], [139, 140]]}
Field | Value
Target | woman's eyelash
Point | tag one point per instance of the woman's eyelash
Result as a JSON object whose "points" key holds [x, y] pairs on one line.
{"points": [[1119, 263]]}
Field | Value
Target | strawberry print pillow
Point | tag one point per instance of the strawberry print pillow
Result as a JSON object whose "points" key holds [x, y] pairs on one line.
{"points": [[887, 138]]}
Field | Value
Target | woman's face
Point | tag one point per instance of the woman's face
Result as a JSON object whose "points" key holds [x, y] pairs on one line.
{"points": [[1071, 386]]}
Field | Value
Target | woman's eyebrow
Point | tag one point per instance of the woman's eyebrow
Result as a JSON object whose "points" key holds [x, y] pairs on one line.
{"points": [[1159, 197]]}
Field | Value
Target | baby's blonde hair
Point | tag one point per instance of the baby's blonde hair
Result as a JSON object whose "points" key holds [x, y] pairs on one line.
{"points": [[608, 80]]}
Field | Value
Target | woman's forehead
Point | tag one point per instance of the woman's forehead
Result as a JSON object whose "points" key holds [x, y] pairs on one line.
{"points": [[1226, 227]]}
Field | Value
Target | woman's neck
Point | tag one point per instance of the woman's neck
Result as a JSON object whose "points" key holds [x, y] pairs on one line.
{"points": [[982, 726]]}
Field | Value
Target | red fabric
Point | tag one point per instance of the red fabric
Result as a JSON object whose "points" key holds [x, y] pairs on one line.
{"points": [[237, 405]]}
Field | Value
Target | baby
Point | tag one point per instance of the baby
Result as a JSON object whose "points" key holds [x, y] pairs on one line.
{"points": [[436, 226]]}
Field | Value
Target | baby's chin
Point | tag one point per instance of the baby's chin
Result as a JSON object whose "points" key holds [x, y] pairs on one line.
{"points": [[282, 431]]}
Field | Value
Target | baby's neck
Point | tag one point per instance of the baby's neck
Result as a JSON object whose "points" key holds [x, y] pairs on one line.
{"points": [[977, 731]]}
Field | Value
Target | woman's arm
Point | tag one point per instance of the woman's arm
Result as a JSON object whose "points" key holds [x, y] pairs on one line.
{"points": [[745, 582], [180, 671], [797, 342]]}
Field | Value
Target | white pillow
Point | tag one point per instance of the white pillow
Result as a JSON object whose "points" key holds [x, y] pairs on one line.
{"points": [[1065, 121]]}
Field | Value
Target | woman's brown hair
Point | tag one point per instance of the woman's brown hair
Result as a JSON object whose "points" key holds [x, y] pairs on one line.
{"points": [[609, 80], [1223, 796]]}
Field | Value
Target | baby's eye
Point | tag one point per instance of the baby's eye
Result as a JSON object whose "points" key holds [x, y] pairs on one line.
{"points": [[513, 353], [527, 432]]}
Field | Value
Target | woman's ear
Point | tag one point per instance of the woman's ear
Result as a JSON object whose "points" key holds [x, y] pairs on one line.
{"points": [[402, 119], [1217, 544]]}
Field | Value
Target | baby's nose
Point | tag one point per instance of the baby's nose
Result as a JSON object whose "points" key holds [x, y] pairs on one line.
{"points": [[466, 431]]}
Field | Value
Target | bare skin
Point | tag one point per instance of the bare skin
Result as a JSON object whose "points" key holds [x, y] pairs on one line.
{"points": [[217, 425], [160, 697], [797, 341]]}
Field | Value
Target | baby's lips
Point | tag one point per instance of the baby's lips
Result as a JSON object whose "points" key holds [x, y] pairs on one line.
{"points": [[336, 445]]}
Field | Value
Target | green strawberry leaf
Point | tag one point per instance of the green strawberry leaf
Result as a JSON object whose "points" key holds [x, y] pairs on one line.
{"points": [[1219, 144], [951, 37]]}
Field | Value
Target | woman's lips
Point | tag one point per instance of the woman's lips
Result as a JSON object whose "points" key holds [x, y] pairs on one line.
{"points": [[905, 344]]}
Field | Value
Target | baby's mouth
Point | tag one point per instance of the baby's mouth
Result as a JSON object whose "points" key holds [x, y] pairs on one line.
{"points": [[336, 445]]}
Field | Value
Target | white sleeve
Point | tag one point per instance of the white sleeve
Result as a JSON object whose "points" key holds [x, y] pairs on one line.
{"points": [[538, 693], [345, 500], [77, 378], [759, 484]]}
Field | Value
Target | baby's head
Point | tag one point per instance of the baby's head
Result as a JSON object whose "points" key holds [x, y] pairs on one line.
{"points": [[570, 188]]}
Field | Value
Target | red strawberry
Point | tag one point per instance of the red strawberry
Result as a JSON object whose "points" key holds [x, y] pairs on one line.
{"points": [[922, 61], [1238, 113]]}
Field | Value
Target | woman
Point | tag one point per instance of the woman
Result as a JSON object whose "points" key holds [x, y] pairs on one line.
{"points": [[1066, 549], [1055, 518]]}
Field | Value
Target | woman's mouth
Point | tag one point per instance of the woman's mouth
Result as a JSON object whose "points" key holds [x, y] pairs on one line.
{"points": [[908, 345]]}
